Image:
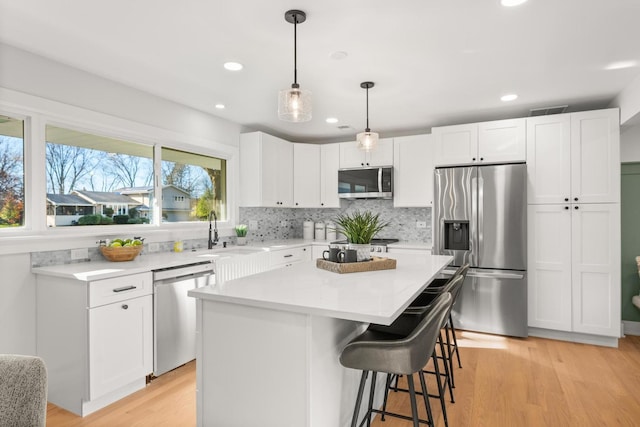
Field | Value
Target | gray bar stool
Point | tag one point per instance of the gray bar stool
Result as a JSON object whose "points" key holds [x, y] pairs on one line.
{"points": [[390, 353], [434, 288], [423, 305]]}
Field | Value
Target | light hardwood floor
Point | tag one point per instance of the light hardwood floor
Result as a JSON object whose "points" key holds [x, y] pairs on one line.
{"points": [[503, 382]]}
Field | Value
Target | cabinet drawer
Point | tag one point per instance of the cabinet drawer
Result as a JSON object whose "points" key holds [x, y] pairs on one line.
{"points": [[116, 289], [280, 258]]}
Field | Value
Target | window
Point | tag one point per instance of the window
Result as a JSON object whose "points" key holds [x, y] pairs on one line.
{"points": [[11, 172], [194, 185], [94, 180]]}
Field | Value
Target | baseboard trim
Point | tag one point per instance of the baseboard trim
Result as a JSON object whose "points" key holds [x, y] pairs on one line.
{"points": [[575, 337], [631, 328]]}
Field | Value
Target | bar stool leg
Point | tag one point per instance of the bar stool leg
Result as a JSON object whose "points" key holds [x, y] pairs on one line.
{"points": [[446, 368], [371, 392], [449, 354], [425, 396], [414, 408], [363, 379], [386, 394], [455, 340], [441, 388]]}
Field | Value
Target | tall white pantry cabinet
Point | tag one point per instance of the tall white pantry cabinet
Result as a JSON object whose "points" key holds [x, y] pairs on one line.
{"points": [[573, 163]]}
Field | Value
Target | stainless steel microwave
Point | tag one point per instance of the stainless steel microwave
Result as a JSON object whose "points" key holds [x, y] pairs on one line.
{"points": [[366, 183]]}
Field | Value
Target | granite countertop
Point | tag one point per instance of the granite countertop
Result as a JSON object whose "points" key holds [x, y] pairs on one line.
{"points": [[375, 296]]}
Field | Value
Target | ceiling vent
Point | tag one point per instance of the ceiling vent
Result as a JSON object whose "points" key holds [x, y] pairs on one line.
{"points": [[346, 127], [545, 111]]}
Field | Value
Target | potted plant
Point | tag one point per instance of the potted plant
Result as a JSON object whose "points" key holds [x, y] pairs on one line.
{"points": [[359, 228], [241, 234]]}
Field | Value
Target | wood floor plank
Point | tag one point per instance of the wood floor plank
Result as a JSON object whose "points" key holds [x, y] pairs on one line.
{"points": [[504, 382]]}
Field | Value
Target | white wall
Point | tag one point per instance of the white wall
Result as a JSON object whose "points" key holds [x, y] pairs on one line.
{"points": [[31, 74], [630, 144], [17, 305], [629, 102]]}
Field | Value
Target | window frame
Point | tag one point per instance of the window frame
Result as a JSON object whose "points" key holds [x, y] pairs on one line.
{"points": [[34, 230]]}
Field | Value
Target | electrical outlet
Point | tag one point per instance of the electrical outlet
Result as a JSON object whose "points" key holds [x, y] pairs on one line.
{"points": [[253, 224], [421, 224], [154, 247], [79, 253]]}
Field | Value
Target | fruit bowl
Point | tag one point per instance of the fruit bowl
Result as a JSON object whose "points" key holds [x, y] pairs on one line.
{"points": [[121, 253]]}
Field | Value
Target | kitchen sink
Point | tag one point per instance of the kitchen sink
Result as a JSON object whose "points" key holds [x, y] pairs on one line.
{"points": [[232, 250]]}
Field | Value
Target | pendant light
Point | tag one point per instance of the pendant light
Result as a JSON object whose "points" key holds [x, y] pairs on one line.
{"points": [[367, 140], [294, 105]]}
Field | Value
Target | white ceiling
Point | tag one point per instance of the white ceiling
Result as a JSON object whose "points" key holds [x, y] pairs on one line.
{"points": [[434, 62]]}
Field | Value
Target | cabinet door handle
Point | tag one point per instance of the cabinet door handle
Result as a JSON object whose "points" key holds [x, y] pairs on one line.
{"points": [[124, 288], [576, 208], [481, 158], [575, 199], [288, 256], [566, 199], [566, 207], [474, 159], [125, 306]]}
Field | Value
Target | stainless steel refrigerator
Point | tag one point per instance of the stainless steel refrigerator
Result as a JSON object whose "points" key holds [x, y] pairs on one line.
{"points": [[480, 218]]}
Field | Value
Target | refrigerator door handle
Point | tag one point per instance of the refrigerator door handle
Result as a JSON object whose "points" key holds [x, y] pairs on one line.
{"points": [[474, 222], [480, 207], [500, 275]]}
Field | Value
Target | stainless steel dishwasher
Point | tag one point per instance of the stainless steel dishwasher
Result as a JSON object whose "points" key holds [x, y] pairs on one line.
{"points": [[174, 313]]}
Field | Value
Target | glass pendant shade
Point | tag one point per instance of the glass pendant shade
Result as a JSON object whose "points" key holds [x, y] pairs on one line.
{"points": [[294, 105], [367, 140]]}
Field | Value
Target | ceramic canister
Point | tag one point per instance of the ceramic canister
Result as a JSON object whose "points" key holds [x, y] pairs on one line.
{"points": [[307, 230], [331, 231], [320, 231]]}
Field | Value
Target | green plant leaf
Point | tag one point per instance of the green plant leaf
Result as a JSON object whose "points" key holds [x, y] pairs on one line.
{"points": [[359, 227]]}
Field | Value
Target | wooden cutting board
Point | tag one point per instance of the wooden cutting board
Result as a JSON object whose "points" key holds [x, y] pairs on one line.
{"points": [[376, 263]]}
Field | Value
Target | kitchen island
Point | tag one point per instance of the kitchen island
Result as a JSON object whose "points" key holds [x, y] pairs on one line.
{"points": [[268, 345]]}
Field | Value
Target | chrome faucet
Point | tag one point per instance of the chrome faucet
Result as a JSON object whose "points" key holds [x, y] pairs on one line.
{"points": [[214, 241]]}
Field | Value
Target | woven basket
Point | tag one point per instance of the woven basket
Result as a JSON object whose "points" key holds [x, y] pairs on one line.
{"points": [[121, 253]]}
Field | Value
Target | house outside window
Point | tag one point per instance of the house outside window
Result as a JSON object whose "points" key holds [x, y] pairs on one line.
{"points": [[194, 185], [92, 169]]}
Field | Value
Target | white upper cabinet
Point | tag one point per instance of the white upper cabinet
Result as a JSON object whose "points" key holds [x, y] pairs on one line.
{"points": [[595, 156], [329, 165], [352, 157], [455, 145], [413, 171], [501, 141], [306, 175], [574, 158], [549, 159], [266, 171]]}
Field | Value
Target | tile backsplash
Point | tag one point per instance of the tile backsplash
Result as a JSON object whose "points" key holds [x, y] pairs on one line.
{"points": [[286, 223]]}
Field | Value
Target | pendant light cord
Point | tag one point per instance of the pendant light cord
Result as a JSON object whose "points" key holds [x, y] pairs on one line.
{"points": [[367, 128], [295, 50]]}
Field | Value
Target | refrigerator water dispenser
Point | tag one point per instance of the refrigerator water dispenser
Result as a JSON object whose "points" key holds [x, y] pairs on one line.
{"points": [[456, 235]]}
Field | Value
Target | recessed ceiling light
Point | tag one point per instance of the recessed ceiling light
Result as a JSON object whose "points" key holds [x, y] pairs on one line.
{"points": [[509, 97], [331, 120], [510, 3], [338, 55], [621, 65], [233, 66], [220, 106]]}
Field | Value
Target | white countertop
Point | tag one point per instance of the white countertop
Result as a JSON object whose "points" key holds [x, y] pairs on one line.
{"points": [[373, 297]]}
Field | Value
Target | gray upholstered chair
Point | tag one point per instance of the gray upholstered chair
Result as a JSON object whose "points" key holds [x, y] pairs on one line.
{"points": [[23, 391]]}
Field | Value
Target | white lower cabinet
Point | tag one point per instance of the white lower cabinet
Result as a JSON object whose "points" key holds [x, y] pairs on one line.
{"points": [[96, 338], [120, 345], [574, 268]]}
